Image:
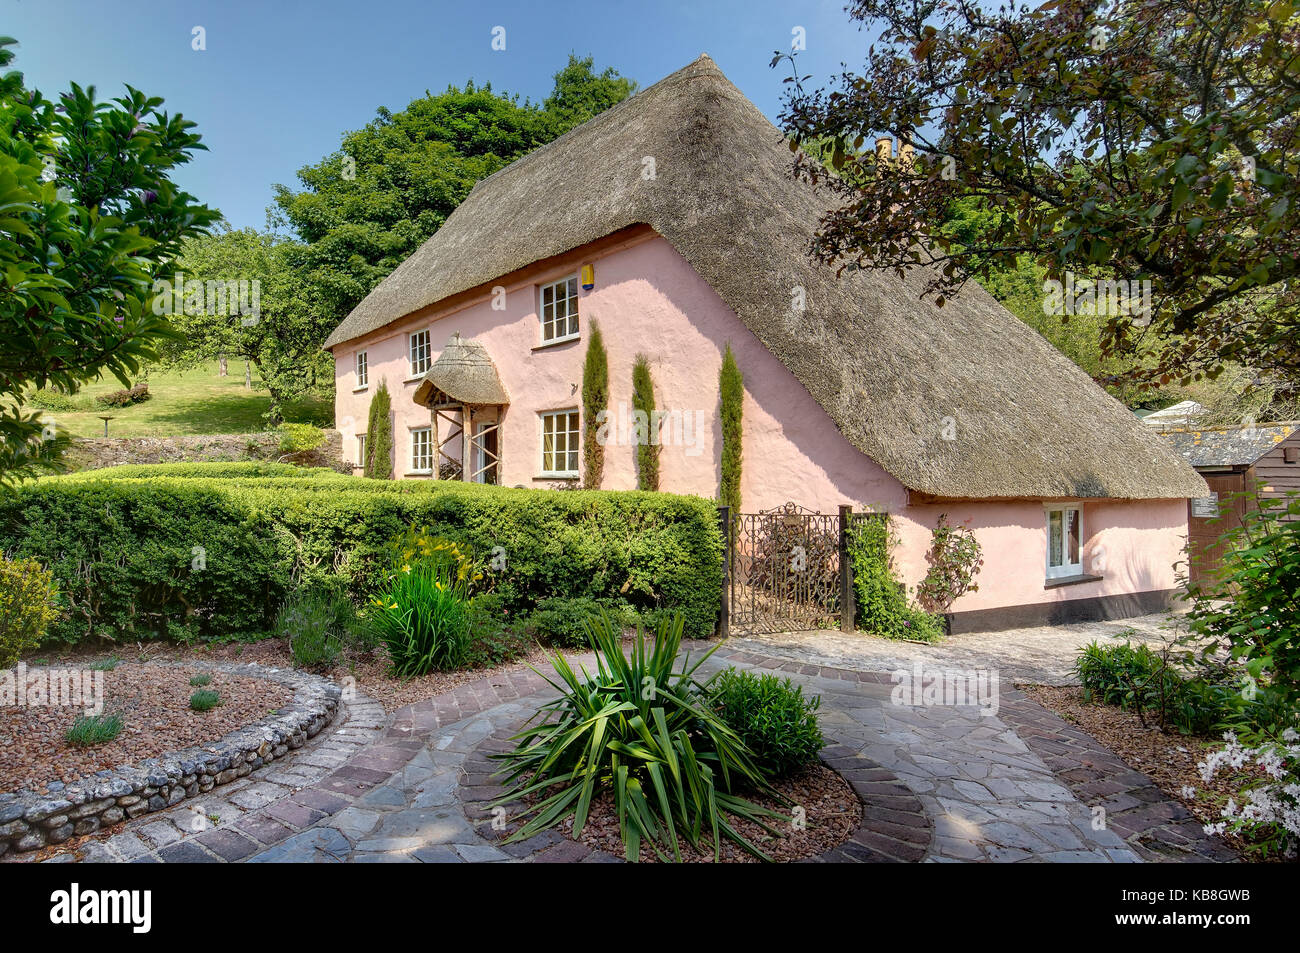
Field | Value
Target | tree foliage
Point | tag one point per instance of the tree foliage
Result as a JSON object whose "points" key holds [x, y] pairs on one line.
{"points": [[1152, 141], [595, 404], [87, 215], [379, 435], [731, 385], [643, 400]]}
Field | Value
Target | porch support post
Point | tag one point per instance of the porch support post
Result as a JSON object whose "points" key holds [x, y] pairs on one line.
{"points": [[847, 607], [464, 442]]}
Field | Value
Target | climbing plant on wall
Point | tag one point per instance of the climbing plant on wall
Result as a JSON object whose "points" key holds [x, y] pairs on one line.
{"points": [[643, 400], [595, 399], [731, 383], [379, 436]]}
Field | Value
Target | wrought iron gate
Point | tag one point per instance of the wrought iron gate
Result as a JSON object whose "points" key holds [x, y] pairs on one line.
{"points": [[786, 569]]}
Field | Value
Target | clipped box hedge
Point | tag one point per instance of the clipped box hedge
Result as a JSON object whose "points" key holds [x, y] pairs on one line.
{"points": [[138, 553]]}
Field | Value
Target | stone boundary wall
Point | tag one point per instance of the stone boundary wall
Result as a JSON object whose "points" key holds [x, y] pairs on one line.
{"points": [[29, 821]]}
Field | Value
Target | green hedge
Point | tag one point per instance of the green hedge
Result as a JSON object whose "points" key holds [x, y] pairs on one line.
{"points": [[123, 547]]}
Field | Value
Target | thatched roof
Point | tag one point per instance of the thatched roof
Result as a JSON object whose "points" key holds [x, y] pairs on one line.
{"points": [[894, 372], [463, 372], [1227, 446]]}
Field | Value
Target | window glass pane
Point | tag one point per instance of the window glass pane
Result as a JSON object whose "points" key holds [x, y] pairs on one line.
{"points": [[1072, 536], [1055, 547]]}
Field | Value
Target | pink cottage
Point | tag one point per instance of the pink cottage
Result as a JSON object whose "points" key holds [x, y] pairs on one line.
{"points": [[672, 223]]}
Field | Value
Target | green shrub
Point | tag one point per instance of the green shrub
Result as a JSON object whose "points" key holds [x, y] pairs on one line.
{"points": [[731, 384], [319, 621], [88, 730], [771, 716], [27, 607], [141, 557], [492, 640], [1138, 679], [643, 399], [881, 599], [378, 464], [105, 665], [641, 729], [125, 398], [564, 621], [955, 558], [57, 400], [198, 681], [595, 401], [422, 617], [238, 470], [205, 699], [299, 438]]}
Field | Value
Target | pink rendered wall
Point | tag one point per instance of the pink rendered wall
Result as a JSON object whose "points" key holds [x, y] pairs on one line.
{"points": [[648, 300]]}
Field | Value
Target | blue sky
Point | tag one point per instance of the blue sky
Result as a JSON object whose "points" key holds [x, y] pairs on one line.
{"points": [[280, 81]]}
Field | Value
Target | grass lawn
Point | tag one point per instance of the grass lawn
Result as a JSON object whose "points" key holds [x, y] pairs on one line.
{"points": [[196, 401]]}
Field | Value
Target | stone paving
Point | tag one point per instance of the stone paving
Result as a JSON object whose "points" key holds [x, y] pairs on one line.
{"points": [[1016, 785]]}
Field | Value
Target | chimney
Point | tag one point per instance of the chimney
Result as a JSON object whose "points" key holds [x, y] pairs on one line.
{"points": [[906, 154], [884, 149]]}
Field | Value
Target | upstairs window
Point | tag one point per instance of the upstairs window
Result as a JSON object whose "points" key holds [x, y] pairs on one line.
{"points": [[1064, 541], [559, 310], [363, 369], [419, 353]]}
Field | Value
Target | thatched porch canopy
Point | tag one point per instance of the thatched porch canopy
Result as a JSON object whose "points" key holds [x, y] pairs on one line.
{"points": [[463, 374]]}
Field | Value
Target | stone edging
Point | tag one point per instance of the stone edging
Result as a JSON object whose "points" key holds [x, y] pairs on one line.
{"points": [[894, 827], [29, 821]]}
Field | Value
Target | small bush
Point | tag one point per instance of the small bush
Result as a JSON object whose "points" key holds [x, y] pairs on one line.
{"points": [[493, 641], [771, 716], [90, 730], [319, 621], [423, 618], [27, 607], [882, 606], [56, 400], [125, 398], [198, 681], [205, 699], [105, 664], [299, 438]]}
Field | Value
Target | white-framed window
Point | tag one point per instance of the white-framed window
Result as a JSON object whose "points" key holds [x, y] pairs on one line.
{"points": [[419, 352], [361, 450], [422, 450], [560, 443], [363, 369], [1064, 541], [558, 308]]}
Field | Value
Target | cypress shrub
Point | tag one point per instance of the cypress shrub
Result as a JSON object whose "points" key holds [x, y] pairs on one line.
{"points": [[379, 436], [595, 399], [643, 399], [731, 383]]}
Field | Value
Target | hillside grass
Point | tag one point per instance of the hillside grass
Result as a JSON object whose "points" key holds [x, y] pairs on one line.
{"points": [[184, 403]]}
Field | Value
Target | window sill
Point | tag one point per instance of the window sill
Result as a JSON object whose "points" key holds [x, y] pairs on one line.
{"points": [[361, 390], [414, 380], [418, 473], [1077, 579], [561, 477], [557, 341]]}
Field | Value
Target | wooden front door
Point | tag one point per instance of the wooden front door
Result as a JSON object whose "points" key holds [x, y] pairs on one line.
{"points": [[1203, 532]]}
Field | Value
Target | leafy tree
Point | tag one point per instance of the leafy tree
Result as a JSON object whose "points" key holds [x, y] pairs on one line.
{"points": [[261, 315], [364, 209], [643, 399], [1144, 142], [731, 384], [87, 215], [595, 402], [379, 435]]}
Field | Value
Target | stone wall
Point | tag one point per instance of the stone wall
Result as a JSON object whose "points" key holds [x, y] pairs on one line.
{"points": [[29, 821]]}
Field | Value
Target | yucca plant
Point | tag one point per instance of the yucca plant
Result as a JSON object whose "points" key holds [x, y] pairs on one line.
{"points": [[639, 728]]}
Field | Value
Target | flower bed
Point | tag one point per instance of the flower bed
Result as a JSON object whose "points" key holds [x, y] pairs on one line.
{"points": [[301, 705]]}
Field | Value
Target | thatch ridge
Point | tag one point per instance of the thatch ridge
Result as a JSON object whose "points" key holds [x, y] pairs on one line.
{"points": [[896, 373]]}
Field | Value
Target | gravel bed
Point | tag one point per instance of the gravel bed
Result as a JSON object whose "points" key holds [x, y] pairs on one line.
{"points": [[833, 812], [154, 701]]}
